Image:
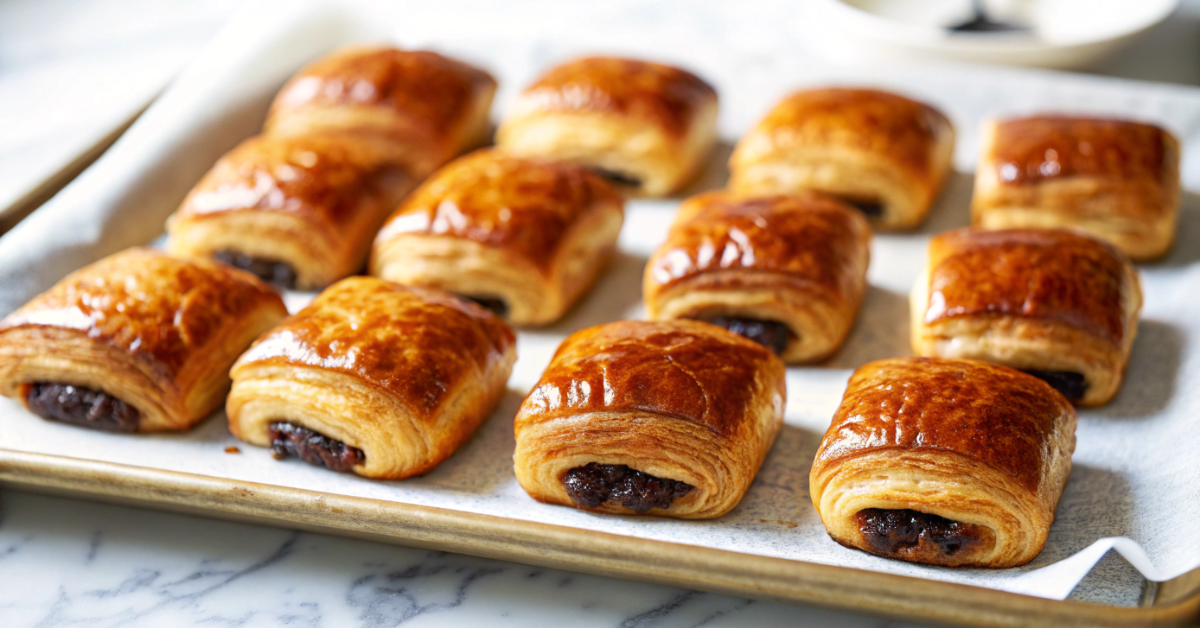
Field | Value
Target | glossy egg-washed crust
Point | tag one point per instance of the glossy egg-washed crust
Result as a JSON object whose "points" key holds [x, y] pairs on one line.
{"points": [[800, 260], [860, 144], [1115, 179], [679, 400], [154, 331], [1032, 299], [531, 232], [645, 120], [403, 374], [973, 442]]}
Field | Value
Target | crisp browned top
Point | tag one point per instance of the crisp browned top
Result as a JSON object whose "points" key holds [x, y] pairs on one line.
{"points": [[523, 205], [680, 369], [664, 95], [810, 238], [159, 309], [433, 91], [1040, 148], [1051, 274], [416, 343], [996, 415]]}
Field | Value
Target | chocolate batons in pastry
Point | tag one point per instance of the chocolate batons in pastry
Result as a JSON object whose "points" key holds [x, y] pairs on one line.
{"points": [[383, 380], [883, 153], [945, 462], [646, 126], [670, 418], [136, 342], [523, 236], [1115, 179], [787, 271], [1056, 304]]}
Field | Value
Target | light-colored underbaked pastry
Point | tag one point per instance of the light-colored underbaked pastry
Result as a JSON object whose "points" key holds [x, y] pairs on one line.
{"points": [[881, 152], [787, 271], [523, 236], [646, 126], [946, 462], [373, 377], [138, 341], [670, 418], [1056, 304], [1115, 179]]}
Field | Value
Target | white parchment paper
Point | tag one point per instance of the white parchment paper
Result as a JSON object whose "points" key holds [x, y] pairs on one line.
{"points": [[1135, 485]]}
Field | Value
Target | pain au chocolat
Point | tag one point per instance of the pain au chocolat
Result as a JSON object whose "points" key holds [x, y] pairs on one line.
{"points": [[1115, 179], [646, 126], [787, 271], [1057, 304], [383, 380], [883, 153], [523, 236], [136, 342], [670, 418], [946, 462]]}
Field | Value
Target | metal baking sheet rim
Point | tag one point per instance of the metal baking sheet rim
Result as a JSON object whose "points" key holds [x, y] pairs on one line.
{"points": [[1175, 602]]}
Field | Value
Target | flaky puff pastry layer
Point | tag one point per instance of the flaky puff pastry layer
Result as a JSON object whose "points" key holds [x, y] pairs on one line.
{"points": [[975, 443], [800, 260], [432, 107], [1115, 179], [154, 331], [311, 201], [1032, 299], [679, 400], [651, 125], [863, 145], [404, 374], [533, 233]]}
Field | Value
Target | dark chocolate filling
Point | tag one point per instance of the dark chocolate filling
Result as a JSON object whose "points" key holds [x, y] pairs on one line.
{"points": [[289, 439], [594, 484], [619, 178], [769, 334], [1072, 385], [81, 406], [917, 536], [498, 306], [271, 271], [871, 209]]}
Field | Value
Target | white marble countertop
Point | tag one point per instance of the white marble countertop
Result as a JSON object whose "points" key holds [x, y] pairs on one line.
{"points": [[69, 69]]}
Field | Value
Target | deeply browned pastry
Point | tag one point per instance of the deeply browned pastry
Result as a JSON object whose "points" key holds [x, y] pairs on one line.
{"points": [[671, 418], [373, 377], [787, 271], [945, 462], [523, 236], [883, 153], [646, 126], [1056, 304], [137, 341], [1114, 179]]}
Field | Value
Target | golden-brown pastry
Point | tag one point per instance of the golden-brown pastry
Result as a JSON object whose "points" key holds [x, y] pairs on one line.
{"points": [[137, 341], [646, 126], [522, 236], [1056, 304], [945, 462], [1114, 179], [883, 153], [671, 418], [787, 271], [372, 377]]}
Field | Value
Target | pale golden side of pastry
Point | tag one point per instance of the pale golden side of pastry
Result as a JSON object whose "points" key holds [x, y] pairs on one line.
{"points": [[156, 332], [648, 126], [679, 400], [404, 374], [970, 457], [1114, 179], [798, 259], [532, 233], [881, 151], [1050, 301]]}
